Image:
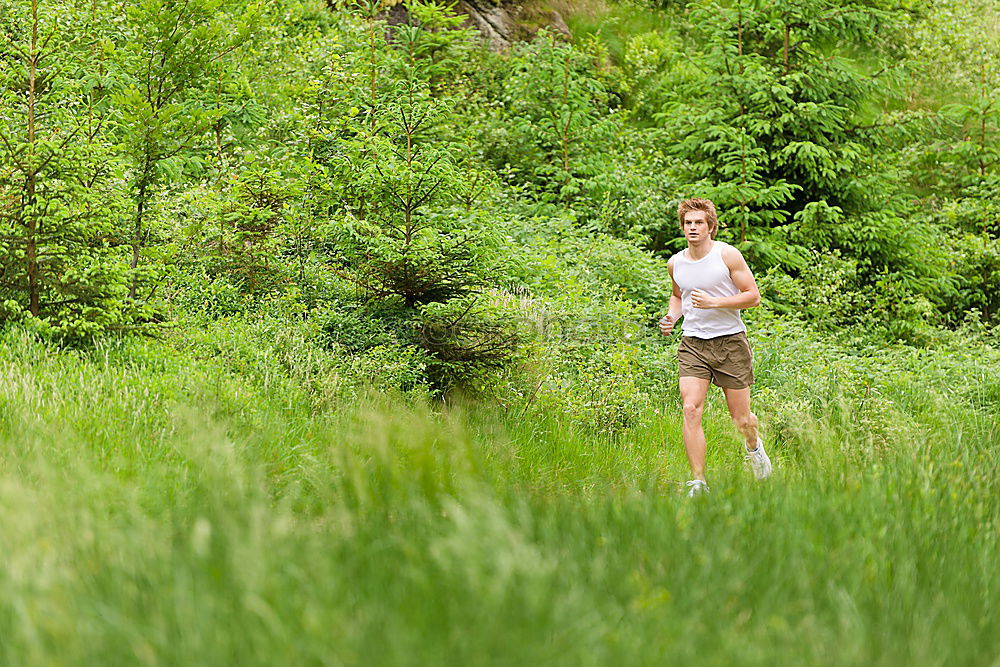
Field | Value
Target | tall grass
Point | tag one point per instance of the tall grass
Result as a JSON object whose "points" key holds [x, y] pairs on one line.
{"points": [[164, 504]]}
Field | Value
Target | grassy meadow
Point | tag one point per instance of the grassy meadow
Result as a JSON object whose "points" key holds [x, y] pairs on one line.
{"points": [[225, 498]]}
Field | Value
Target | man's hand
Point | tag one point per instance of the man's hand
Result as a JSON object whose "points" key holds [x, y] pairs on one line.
{"points": [[667, 325], [701, 300]]}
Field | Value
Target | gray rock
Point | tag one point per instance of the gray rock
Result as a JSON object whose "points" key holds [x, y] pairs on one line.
{"points": [[493, 20], [501, 23]]}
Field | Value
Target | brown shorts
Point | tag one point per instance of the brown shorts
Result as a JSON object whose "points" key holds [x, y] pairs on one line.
{"points": [[726, 360]]}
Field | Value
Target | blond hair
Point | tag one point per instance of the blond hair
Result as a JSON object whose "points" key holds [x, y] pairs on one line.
{"points": [[705, 205]]}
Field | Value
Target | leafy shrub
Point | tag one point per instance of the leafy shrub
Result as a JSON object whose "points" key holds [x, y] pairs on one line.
{"points": [[552, 117], [194, 291], [587, 303], [608, 387], [554, 257], [832, 293]]}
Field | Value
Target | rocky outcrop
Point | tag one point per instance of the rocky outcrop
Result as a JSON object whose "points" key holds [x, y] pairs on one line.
{"points": [[501, 23], [504, 23], [493, 20]]}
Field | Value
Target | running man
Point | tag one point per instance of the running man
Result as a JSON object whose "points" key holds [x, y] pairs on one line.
{"points": [[711, 284]]}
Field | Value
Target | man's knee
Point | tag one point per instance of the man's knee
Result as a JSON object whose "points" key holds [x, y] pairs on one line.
{"points": [[745, 422], [692, 411]]}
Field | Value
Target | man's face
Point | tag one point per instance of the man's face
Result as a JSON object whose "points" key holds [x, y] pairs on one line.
{"points": [[696, 227]]}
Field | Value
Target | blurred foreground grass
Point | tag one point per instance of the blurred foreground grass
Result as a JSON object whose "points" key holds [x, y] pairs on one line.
{"points": [[163, 505]]}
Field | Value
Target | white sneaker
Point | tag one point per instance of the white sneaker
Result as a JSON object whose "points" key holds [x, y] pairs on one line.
{"points": [[759, 461], [697, 487]]}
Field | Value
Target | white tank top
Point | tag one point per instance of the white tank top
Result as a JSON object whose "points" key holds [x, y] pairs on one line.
{"points": [[711, 275]]}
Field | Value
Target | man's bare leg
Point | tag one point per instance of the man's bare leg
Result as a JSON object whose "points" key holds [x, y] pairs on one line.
{"points": [[693, 392], [746, 422]]}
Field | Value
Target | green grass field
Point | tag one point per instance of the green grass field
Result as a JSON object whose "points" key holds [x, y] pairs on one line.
{"points": [[172, 503]]}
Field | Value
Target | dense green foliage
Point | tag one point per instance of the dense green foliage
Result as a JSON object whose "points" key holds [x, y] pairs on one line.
{"points": [[328, 332], [341, 164]]}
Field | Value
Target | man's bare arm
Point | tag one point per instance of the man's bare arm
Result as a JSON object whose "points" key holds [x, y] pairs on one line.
{"points": [[674, 310], [742, 277]]}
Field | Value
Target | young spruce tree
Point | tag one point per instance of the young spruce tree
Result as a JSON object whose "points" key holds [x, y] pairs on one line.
{"points": [[408, 233], [57, 207], [783, 130]]}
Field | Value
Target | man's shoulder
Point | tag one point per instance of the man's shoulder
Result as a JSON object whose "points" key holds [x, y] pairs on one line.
{"points": [[728, 250], [732, 257]]}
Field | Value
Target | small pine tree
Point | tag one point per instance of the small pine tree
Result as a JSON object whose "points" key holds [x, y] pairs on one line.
{"points": [[56, 207], [552, 126], [407, 232], [780, 129]]}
